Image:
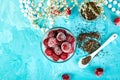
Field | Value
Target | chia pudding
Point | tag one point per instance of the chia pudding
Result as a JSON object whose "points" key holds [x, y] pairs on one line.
{"points": [[90, 10], [89, 41]]}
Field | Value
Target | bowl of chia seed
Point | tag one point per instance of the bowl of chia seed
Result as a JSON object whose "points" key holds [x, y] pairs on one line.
{"points": [[90, 10]]}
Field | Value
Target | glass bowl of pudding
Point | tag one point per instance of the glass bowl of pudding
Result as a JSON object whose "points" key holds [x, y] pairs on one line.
{"points": [[90, 10], [58, 44]]}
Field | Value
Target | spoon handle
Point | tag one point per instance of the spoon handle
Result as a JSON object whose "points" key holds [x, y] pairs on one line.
{"points": [[113, 37]]}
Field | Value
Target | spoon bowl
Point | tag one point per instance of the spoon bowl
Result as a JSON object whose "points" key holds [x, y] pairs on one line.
{"points": [[83, 62]]}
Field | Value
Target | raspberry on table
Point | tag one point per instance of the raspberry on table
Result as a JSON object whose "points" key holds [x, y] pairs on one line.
{"points": [[68, 11], [117, 21], [65, 77], [99, 71]]}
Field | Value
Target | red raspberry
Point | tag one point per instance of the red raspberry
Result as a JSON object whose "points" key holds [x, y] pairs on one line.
{"points": [[73, 48], [66, 47], [65, 77], [61, 30], [71, 51], [64, 56], [57, 50], [55, 57], [52, 42], [52, 33], [61, 36], [117, 21], [55, 12], [68, 11], [99, 71], [49, 51], [70, 38], [45, 42]]}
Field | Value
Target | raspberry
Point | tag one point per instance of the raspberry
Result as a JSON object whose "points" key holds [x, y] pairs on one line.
{"points": [[68, 11], [64, 56], [49, 51], [99, 71], [45, 42], [52, 42], [65, 77], [73, 48], [66, 47], [52, 33], [117, 21], [71, 51], [57, 50], [61, 36], [70, 38], [55, 57], [61, 30], [55, 12]]}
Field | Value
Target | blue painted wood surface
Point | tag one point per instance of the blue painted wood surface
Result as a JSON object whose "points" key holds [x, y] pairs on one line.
{"points": [[21, 57]]}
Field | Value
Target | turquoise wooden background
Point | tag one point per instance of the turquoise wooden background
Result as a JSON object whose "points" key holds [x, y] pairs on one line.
{"points": [[21, 57]]}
